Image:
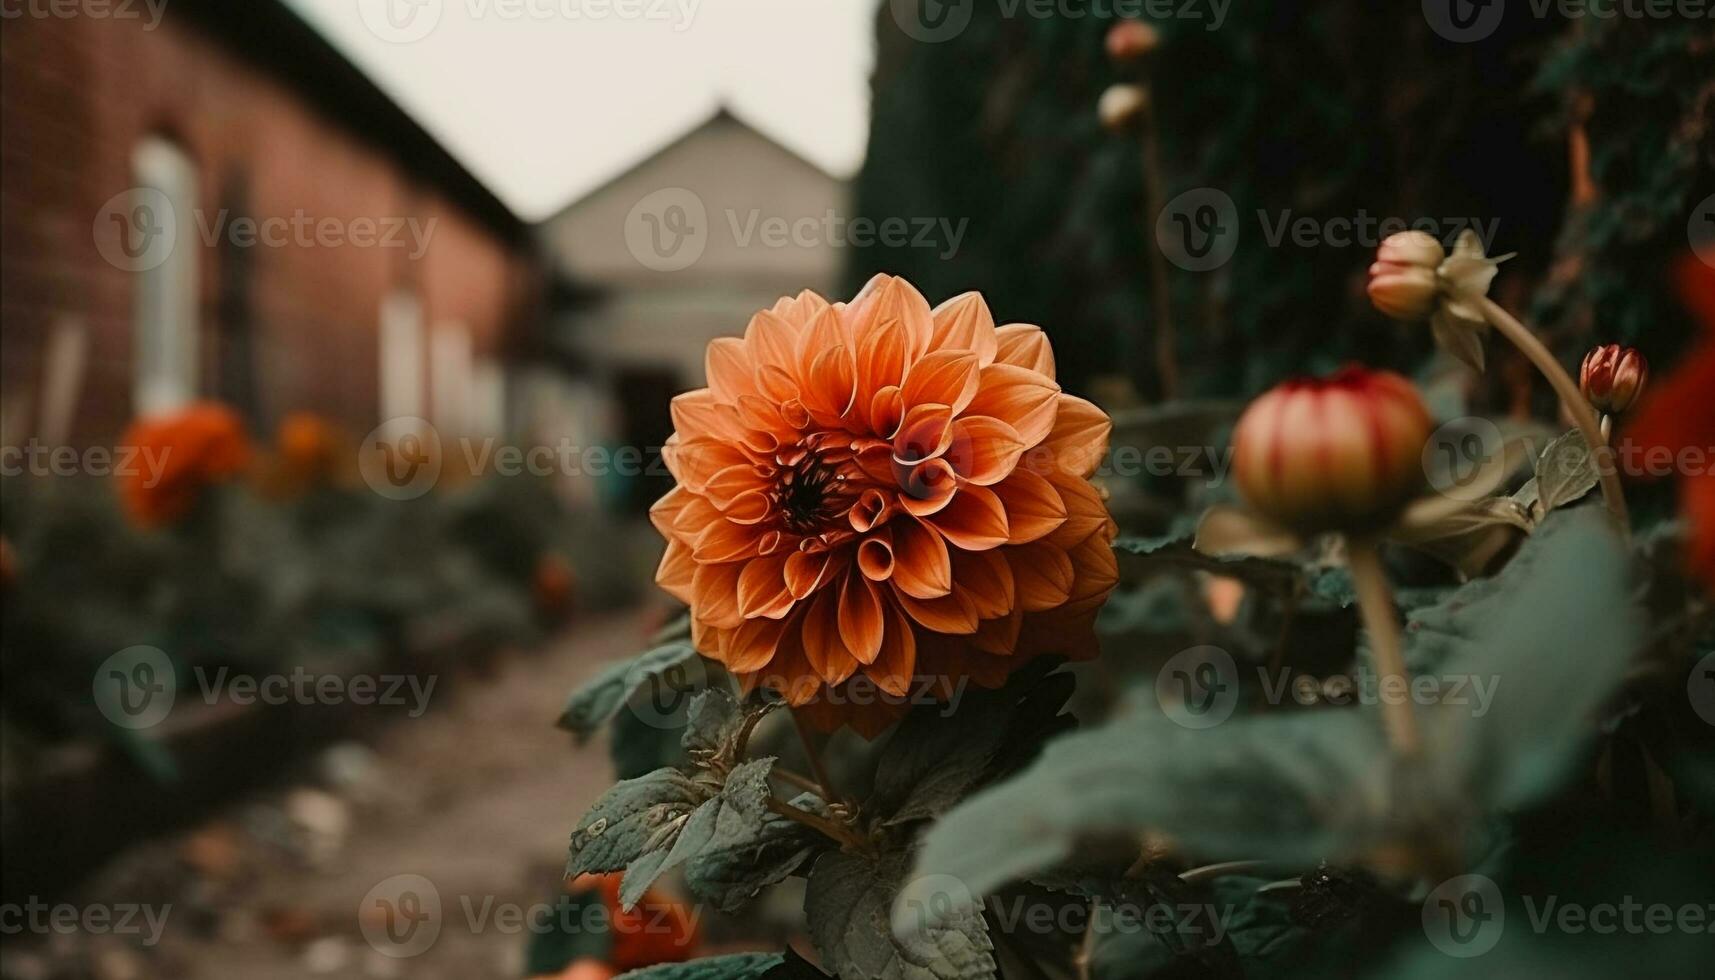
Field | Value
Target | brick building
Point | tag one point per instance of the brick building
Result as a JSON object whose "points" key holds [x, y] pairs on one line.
{"points": [[220, 204]]}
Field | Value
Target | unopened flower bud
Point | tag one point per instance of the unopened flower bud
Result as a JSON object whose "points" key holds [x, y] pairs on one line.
{"points": [[1403, 281], [1612, 377], [1131, 39], [1122, 106], [1342, 453]]}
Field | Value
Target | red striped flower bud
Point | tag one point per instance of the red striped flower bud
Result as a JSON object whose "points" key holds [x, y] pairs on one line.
{"points": [[1403, 281], [1341, 453], [1612, 377]]}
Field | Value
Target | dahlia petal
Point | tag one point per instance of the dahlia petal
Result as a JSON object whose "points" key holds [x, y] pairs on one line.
{"points": [[752, 646], [831, 385], [1025, 345], [943, 377], [806, 571], [965, 323], [730, 372], [999, 636], [750, 507], [887, 297], [983, 450], [697, 414], [872, 508], [664, 511], [1043, 575], [886, 411], [974, 520], [985, 576], [762, 590], [824, 648], [724, 541], [1079, 439], [896, 662], [771, 343], [953, 614], [925, 433], [1034, 508], [875, 556], [881, 358], [800, 310], [861, 624], [676, 571], [1086, 512], [694, 518], [716, 589], [922, 566], [729, 484], [926, 488], [1023, 399], [1096, 570], [694, 462]]}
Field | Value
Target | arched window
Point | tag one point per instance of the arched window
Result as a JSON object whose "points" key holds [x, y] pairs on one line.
{"points": [[164, 314]]}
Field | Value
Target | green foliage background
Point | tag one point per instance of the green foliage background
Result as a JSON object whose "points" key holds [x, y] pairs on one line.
{"points": [[1324, 109]]}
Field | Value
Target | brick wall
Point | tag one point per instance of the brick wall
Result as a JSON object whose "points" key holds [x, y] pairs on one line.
{"points": [[76, 96]]}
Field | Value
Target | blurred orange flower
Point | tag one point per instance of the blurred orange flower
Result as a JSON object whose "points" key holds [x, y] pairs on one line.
{"points": [[1679, 414], [876, 491], [657, 929], [178, 455]]}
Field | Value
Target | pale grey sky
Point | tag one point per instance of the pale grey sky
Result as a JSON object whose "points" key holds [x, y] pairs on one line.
{"points": [[545, 99]]}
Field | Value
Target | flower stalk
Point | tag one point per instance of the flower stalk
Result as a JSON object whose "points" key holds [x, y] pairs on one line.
{"points": [[828, 828], [1567, 390], [1376, 607]]}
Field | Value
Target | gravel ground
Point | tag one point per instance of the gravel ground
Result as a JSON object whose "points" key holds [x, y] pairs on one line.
{"points": [[476, 796]]}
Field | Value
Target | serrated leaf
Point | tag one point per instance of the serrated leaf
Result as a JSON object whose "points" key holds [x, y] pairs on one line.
{"points": [[733, 816], [935, 758], [603, 695], [727, 875], [634, 818], [1293, 786], [737, 966], [1565, 472], [848, 904], [713, 719]]}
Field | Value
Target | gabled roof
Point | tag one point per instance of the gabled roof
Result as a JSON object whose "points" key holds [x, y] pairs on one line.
{"points": [[275, 39], [723, 115]]}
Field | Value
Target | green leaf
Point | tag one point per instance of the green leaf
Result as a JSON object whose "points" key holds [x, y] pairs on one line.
{"points": [[847, 905], [714, 718], [1564, 472], [1553, 634], [1293, 786], [728, 874], [733, 816], [738, 966], [634, 818], [599, 698], [935, 758]]}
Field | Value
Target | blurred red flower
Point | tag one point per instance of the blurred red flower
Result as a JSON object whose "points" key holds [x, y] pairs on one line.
{"points": [[1679, 414]]}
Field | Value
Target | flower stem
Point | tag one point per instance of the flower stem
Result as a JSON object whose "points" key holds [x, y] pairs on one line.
{"points": [[1567, 390], [801, 782], [828, 828], [1166, 344], [817, 769], [1375, 604]]}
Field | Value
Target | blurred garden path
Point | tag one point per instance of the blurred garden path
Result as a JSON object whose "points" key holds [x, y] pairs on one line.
{"points": [[477, 795]]}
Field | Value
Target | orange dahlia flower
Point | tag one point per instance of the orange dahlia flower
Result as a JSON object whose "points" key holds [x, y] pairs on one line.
{"points": [[876, 500], [309, 447], [177, 456]]}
